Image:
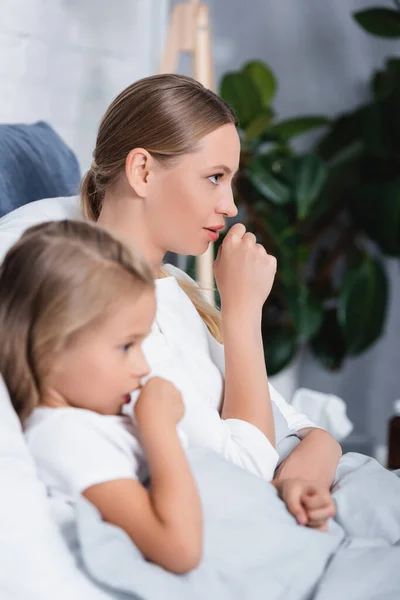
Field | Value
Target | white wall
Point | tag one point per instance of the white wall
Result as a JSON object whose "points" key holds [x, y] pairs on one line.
{"points": [[63, 61], [322, 58]]}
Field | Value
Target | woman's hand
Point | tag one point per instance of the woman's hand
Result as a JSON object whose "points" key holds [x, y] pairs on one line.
{"points": [[310, 503], [244, 272], [160, 401], [315, 459]]}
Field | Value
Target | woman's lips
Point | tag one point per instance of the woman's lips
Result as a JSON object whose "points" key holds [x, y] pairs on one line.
{"points": [[212, 234]]}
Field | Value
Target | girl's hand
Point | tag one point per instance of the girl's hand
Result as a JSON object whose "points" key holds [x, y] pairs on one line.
{"points": [[160, 401], [310, 503], [244, 272]]}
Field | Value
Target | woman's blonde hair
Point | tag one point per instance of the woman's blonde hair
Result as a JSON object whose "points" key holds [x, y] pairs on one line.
{"points": [[57, 280], [167, 115]]}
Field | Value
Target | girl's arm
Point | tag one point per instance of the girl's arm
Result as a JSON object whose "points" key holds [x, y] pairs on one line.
{"points": [[165, 523], [315, 459]]}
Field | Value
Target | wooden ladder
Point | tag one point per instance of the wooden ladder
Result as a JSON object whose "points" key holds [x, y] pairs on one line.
{"points": [[189, 31]]}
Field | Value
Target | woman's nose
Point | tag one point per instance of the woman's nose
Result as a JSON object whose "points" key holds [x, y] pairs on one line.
{"points": [[227, 206]]}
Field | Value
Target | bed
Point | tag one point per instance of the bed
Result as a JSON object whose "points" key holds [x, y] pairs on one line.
{"points": [[253, 547]]}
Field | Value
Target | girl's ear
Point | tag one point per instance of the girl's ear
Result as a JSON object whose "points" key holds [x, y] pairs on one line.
{"points": [[137, 168]]}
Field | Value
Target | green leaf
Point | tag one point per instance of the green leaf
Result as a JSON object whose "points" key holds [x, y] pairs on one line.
{"points": [[328, 345], [303, 253], [287, 168], [241, 93], [269, 186], [279, 349], [293, 127], [376, 208], [259, 125], [276, 222], [387, 83], [375, 130], [351, 154], [382, 22], [381, 85], [312, 174], [363, 305], [344, 132], [263, 78], [306, 311]]}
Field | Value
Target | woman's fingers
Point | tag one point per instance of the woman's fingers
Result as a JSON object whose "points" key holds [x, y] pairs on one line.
{"points": [[294, 505], [319, 526], [316, 498], [320, 508], [321, 514], [250, 238], [244, 272], [237, 232]]}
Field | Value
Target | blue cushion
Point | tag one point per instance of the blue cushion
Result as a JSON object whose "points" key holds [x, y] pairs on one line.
{"points": [[35, 163]]}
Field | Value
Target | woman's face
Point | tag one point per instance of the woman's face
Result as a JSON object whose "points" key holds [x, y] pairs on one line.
{"points": [[188, 202]]}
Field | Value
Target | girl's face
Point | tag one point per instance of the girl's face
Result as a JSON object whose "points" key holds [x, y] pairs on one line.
{"points": [[103, 365], [187, 201]]}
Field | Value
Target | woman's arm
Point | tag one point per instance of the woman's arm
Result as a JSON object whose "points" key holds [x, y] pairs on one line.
{"points": [[245, 273], [246, 384], [165, 523], [315, 459]]}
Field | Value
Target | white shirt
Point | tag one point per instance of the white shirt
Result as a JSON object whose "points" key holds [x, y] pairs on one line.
{"points": [[181, 349], [74, 448]]}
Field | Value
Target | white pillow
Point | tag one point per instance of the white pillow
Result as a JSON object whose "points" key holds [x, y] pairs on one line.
{"points": [[35, 562], [13, 225]]}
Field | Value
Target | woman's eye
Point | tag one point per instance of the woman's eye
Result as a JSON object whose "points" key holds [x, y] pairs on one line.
{"points": [[214, 178]]}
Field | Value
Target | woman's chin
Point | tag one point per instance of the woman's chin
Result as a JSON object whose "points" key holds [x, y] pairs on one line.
{"points": [[192, 249], [203, 249]]}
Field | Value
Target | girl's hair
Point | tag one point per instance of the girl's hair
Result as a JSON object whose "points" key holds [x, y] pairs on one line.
{"points": [[167, 115], [57, 280]]}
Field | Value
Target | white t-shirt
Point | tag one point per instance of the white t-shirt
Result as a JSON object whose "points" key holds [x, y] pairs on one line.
{"points": [[181, 349], [74, 448]]}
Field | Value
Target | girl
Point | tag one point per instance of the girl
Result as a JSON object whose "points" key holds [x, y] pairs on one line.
{"points": [[75, 305]]}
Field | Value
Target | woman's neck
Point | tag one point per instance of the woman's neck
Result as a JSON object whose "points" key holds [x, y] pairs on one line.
{"points": [[123, 216]]}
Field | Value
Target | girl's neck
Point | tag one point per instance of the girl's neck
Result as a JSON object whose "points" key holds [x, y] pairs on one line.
{"points": [[52, 399]]}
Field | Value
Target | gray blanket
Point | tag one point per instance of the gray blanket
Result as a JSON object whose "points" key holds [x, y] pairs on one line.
{"points": [[254, 550]]}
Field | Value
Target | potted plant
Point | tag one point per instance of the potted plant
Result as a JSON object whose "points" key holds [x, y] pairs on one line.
{"points": [[328, 215]]}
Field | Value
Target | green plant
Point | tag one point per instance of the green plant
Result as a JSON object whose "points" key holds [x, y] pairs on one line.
{"points": [[328, 215]]}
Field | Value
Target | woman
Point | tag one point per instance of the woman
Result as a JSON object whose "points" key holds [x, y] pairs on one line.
{"points": [[166, 154]]}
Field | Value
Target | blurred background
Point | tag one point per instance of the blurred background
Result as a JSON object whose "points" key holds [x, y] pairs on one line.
{"points": [[316, 86]]}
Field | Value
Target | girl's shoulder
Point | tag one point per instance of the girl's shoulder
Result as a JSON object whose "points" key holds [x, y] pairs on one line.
{"points": [[47, 422]]}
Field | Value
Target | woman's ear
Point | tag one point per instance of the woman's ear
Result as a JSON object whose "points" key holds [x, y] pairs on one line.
{"points": [[137, 168]]}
